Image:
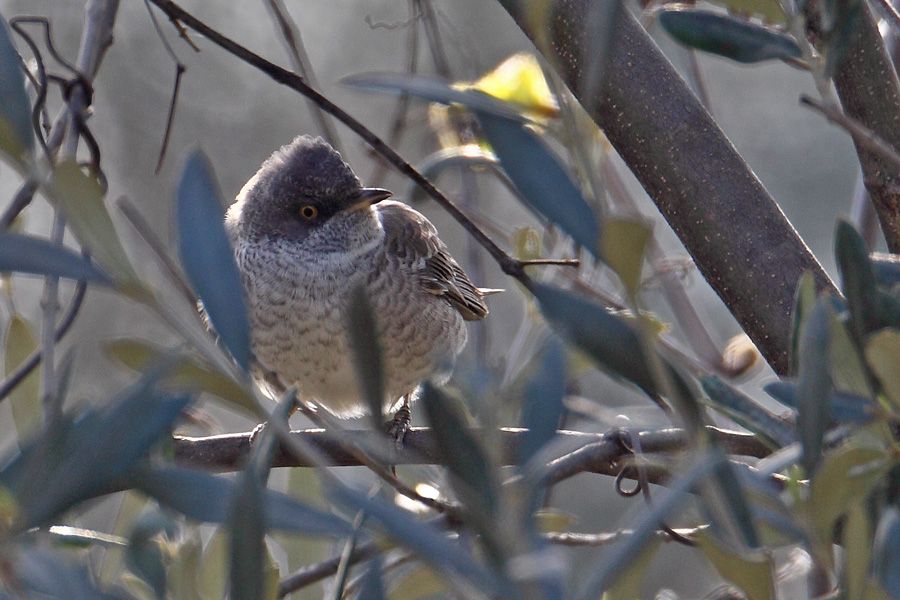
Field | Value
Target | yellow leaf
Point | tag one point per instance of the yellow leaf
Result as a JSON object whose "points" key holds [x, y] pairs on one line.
{"points": [[80, 197], [846, 475], [883, 355], [622, 245], [421, 582], [25, 399], [553, 520], [520, 80], [769, 11], [752, 573], [187, 373], [627, 585]]}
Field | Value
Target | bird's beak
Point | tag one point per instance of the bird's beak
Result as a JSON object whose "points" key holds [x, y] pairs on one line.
{"points": [[369, 196]]}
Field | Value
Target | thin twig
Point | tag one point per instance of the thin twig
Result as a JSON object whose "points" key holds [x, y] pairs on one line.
{"points": [[159, 250], [507, 263], [890, 10], [302, 65], [16, 377], [861, 134], [401, 109], [95, 39], [180, 70], [19, 202]]}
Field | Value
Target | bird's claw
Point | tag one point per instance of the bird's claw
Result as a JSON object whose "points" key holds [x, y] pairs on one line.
{"points": [[397, 427]]}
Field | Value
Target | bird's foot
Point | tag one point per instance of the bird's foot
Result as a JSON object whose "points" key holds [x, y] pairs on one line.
{"points": [[398, 426]]}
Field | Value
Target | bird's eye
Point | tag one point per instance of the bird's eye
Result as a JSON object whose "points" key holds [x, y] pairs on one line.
{"points": [[309, 212]]}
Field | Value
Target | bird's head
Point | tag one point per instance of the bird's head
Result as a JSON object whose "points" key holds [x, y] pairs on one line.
{"points": [[299, 189]]}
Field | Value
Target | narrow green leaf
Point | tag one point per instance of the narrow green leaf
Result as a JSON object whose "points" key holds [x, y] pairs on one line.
{"points": [[186, 374], [212, 577], [622, 246], [883, 356], [145, 553], [247, 518], [40, 572], [886, 553], [461, 451], [531, 164], [25, 399], [366, 351], [628, 584], [78, 460], [27, 254], [843, 407], [543, 399], [80, 197], [857, 541], [846, 475], [606, 338], [814, 384], [847, 365], [208, 258], [373, 584], [184, 567], [425, 541], [545, 184], [804, 300], [436, 90], [748, 413], [857, 280], [731, 37], [204, 497], [420, 582], [751, 572], [16, 134]]}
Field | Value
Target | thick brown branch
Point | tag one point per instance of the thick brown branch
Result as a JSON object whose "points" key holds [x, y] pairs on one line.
{"points": [[588, 452], [867, 85], [739, 238]]}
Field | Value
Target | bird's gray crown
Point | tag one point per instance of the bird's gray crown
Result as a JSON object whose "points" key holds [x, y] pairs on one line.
{"points": [[305, 175], [308, 167]]}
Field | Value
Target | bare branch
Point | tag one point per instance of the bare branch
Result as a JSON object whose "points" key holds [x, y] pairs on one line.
{"points": [[593, 452], [862, 135], [867, 85], [739, 238]]}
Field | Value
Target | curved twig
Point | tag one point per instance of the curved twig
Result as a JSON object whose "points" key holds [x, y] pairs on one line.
{"points": [[31, 363]]}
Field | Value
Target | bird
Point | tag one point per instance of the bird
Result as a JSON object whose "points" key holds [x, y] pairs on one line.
{"points": [[306, 234]]}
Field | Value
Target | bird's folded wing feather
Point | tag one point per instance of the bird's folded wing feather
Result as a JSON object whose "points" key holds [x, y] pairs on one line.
{"points": [[411, 236]]}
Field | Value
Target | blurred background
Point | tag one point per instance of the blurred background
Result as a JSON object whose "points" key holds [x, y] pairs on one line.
{"points": [[238, 117]]}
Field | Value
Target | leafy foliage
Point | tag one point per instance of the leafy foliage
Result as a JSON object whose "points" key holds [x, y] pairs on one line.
{"points": [[826, 457]]}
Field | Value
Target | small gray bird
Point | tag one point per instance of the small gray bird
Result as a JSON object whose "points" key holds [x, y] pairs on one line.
{"points": [[306, 234]]}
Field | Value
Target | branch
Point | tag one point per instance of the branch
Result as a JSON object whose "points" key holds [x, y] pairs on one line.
{"points": [[736, 233], [866, 83], [862, 135], [592, 452]]}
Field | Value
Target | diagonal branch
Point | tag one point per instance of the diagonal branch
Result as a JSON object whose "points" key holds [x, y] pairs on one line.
{"points": [[741, 241]]}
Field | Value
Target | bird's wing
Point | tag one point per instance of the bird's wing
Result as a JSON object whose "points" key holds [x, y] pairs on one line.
{"points": [[410, 236]]}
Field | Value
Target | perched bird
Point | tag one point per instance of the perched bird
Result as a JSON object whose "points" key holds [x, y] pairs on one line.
{"points": [[305, 235]]}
